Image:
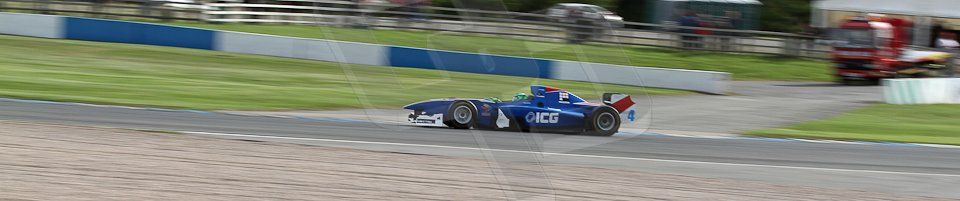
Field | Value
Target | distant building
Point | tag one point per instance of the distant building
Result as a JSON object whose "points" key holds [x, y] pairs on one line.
{"points": [[929, 16]]}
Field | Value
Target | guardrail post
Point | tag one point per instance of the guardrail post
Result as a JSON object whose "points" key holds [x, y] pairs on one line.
{"points": [[166, 15], [362, 15], [791, 47], [726, 43], [203, 16], [42, 6], [808, 47], [97, 8], [952, 64], [145, 9], [712, 42]]}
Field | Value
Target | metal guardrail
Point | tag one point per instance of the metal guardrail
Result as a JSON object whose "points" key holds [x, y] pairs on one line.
{"points": [[99, 9], [530, 26]]}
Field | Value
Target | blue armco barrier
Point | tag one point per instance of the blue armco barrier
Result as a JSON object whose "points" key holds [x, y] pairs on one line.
{"points": [[469, 62], [137, 33]]}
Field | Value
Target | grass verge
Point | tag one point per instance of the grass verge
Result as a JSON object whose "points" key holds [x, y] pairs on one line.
{"points": [[939, 124], [743, 66], [64, 70]]}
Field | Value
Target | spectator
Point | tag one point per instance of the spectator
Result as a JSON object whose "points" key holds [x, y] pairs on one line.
{"points": [[935, 33], [689, 20], [947, 40], [734, 20]]}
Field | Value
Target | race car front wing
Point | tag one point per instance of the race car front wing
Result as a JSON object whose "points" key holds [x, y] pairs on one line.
{"points": [[435, 120]]}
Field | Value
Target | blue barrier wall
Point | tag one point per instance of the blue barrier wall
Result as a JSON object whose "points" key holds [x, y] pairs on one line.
{"points": [[137, 33], [468, 62], [355, 53]]}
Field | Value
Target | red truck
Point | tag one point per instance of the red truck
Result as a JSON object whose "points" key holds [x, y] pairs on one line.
{"points": [[875, 47]]}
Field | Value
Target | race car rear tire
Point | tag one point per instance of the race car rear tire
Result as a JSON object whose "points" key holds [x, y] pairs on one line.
{"points": [[604, 121], [461, 115]]}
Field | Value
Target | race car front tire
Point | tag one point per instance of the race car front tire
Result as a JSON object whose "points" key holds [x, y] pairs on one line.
{"points": [[460, 115], [604, 121]]}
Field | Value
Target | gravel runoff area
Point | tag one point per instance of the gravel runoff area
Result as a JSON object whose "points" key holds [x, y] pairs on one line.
{"points": [[58, 162]]}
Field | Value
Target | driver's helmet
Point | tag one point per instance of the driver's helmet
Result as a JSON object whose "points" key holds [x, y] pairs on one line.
{"points": [[520, 96]]}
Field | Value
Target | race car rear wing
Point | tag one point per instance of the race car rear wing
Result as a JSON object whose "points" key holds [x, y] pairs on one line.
{"points": [[624, 104]]}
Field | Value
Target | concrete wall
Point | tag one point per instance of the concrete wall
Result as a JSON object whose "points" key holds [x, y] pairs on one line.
{"points": [[922, 91], [355, 53], [301, 48], [693, 80], [44, 26]]}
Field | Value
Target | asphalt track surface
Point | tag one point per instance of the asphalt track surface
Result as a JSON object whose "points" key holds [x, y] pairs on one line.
{"points": [[909, 170]]}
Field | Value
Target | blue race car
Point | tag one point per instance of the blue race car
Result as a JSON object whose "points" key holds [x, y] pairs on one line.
{"points": [[549, 109]]}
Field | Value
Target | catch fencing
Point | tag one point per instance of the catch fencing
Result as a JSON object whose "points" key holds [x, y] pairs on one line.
{"points": [[528, 26], [133, 9]]}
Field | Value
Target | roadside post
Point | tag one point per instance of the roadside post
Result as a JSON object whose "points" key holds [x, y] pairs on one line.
{"points": [[42, 6], [97, 8], [952, 64]]}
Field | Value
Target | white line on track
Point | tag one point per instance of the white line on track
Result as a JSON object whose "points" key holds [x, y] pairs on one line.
{"points": [[938, 145], [572, 155]]}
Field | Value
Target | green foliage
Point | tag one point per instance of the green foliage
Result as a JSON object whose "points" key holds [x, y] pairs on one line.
{"points": [[785, 15], [632, 10]]}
